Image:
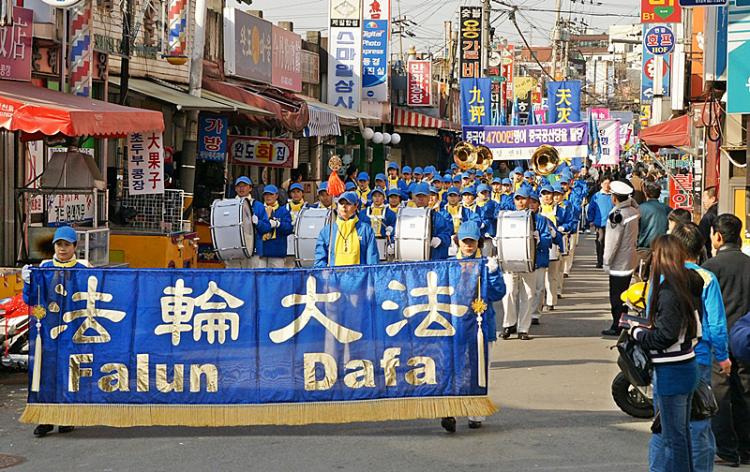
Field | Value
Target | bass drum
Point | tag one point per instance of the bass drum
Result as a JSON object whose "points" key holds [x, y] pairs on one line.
{"points": [[516, 246], [232, 230], [307, 228], [413, 234]]}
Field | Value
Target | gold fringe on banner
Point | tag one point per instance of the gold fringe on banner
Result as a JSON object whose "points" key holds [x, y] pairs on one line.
{"points": [[125, 415]]}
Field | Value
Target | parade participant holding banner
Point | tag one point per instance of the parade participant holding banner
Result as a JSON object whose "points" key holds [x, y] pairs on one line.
{"points": [[324, 198], [348, 240], [363, 187], [442, 230], [295, 204], [65, 242], [469, 236], [243, 187], [272, 246], [548, 236]]}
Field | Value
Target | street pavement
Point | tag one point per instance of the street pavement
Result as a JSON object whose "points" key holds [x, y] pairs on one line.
{"points": [[557, 414]]}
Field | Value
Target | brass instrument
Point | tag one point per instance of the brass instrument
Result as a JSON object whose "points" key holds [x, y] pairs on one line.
{"points": [[468, 156], [545, 160]]}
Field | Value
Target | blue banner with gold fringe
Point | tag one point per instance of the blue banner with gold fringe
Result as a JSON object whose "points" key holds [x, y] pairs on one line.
{"points": [[125, 347]]}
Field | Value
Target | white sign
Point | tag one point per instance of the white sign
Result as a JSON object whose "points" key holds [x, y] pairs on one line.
{"points": [[69, 209], [145, 163], [345, 54], [609, 138]]}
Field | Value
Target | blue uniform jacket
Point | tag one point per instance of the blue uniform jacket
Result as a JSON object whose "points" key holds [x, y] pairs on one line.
{"points": [[31, 298], [714, 320], [543, 225], [443, 229], [507, 203], [276, 247], [466, 215], [389, 219], [368, 248], [488, 216], [599, 208], [495, 292], [566, 217], [263, 226]]}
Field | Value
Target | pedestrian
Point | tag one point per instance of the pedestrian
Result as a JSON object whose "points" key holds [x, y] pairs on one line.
{"points": [[672, 308], [620, 258], [347, 240], [600, 205], [639, 192], [731, 425], [652, 223], [711, 206], [677, 217]]}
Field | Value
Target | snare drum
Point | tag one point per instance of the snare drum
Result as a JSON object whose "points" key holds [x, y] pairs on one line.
{"points": [[413, 234], [307, 228], [515, 243], [232, 230]]}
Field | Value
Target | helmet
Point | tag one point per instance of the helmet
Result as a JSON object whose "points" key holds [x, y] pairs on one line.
{"points": [[635, 296]]}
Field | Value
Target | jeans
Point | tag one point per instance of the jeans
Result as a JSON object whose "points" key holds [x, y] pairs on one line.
{"points": [[671, 450], [701, 439]]}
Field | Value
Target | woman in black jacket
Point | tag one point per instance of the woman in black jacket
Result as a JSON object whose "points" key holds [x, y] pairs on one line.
{"points": [[674, 314]]}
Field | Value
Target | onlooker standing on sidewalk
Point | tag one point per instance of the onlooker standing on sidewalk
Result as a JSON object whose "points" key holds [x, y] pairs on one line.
{"points": [[599, 208], [731, 425], [653, 223], [711, 207], [620, 258]]}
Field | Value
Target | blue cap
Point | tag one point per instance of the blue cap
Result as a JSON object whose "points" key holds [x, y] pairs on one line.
{"points": [[437, 178], [418, 171], [563, 180], [434, 189], [380, 177], [447, 178], [534, 195], [350, 186], [350, 197], [457, 179], [429, 170], [557, 188], [392, 165], [453, 191], [65, 233], [243, 179], [528, 173], [470, 190], [363, 176], [518, 170], [270, 189], [497, 180], [396, 192], [483, 188], [454, 166], [575, 168], [523, 191], [472, 171], [377, 190], [465, 175], [480, 173], [469, 230], [507, 181], [406, 170], [546, 188], [323, 186], [296, 187], [420, 189]]}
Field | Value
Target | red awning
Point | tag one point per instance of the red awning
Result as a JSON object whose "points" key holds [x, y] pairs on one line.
{"points": [[672, 133], [413, 119], [37, 110]]}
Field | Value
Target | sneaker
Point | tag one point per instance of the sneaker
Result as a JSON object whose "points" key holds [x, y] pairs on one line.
{"points": [[42, 430], [449, 424], [475, 424]]}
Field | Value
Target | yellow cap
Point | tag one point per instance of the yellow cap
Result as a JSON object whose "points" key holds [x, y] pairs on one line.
{"points": [[635, 295]]}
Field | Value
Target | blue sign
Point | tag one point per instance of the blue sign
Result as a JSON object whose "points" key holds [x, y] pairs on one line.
{"points": [[211, 347], [659, 40], [702, 3], [375, 60], [648, 74], [212, 137], [476, 102], [564, 101], [738, 68]]}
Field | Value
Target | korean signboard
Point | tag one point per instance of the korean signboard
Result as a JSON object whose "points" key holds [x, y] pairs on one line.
{"points": [[61, 209], [419, 89], [470, 42], [212, 137], [310, 67], [145, 163], [609, 140], [258, 151], [522, 86], [345, 54], [286, 60], [248, 46], [702, 3], [375, 60], [659, 40], [15, 46], [660, 11], [738, 69], [564, 101]]}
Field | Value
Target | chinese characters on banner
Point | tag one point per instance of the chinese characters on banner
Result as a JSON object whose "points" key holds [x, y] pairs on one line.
{"points": [[248, 46], [145, 163], [419, 89], [375, 60], [287, 60], [212, 137], [475, 101], [470, 43], [564, 101], [609, 140], [257, 151], [660, 11], [15, 46], [345, 54]]}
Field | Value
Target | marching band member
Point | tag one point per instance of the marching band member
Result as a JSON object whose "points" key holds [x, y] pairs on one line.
{"points": [[441, 228], [296, 201], [468, 198], [435, 203], [566, 199], [517, 177], [429, 174], [556, 216], [469, 237], [417, 175], [497, 190], [530, 179], [393, 179], [273, 245], [395, 199], [382, 219], [466, 180], [363, 187], [380, 182], [507, 198], [406, 178], [458, 181], [324, 198], [454, 211], [547, 237], [243, 187], [347, 240], [350, 187]]}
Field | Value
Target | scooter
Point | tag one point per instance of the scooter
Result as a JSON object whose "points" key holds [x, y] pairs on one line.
{"points": [[637, 402], [14, 333]]}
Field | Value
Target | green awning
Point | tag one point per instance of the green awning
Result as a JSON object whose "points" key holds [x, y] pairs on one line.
{"points": [[172, 95]]}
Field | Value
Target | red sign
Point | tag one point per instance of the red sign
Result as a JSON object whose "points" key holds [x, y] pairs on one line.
{"points": [[15, 46], [680, 192], [419, 90], [506, 70], [661, 11], [286, 69], [649, 68], [266, 152]]}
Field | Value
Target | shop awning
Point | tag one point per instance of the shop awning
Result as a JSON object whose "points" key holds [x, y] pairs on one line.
{"points": [[672, 133], [239, 107], [412, 119], [171, 95], [346, 117], [36, 110]]}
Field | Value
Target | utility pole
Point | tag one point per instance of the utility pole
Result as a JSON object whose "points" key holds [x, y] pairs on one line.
{"points": [[127, 30], [556, 38], [486, 9]]}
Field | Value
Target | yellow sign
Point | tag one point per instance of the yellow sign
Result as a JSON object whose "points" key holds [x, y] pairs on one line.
{"points": [[522, 86]]}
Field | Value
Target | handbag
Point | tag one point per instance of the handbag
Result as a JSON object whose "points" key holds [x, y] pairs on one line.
{"points": [[704, 402], [634, 361]]}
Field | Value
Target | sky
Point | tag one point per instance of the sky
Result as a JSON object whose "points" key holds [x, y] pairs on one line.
{"points": [[430, 15]]}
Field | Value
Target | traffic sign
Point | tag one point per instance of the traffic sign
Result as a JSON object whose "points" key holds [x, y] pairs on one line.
{"points": [[702, 3], [659, 40], [660, 11]]}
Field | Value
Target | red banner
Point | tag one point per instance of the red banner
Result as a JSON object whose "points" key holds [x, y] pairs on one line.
{"points": [[419, 90], [259, 151], [661, 11], [680, 192], [15, 46]]}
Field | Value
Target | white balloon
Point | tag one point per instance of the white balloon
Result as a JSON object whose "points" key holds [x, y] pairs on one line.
{"points": [[368, 133], [395, 138], [386, 138], [377, 138]]}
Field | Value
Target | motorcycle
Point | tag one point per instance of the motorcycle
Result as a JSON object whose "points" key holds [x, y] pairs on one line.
{"points": [[637, 402], [14, 333]]}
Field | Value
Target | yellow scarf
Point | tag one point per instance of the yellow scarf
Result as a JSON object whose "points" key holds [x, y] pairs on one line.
{"points": [[550, 213], [497, 196], [460, 255], [68, 264], [471, 207], [481, 203], [393, 183], [269, 211], [411, 204], [295, 208], [456, 214], [394, 209], [376, 218], [346, 246], [363, 194], [516, 185]]}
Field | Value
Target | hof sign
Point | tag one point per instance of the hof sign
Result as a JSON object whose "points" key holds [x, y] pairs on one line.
{"points": [[659, 40]]}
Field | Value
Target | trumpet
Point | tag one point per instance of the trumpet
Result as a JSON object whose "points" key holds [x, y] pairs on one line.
{"points": [[545, 160], [468, 156]]}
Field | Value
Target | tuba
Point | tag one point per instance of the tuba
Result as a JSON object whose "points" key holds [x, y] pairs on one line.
{"points": [[545, 160], [468, 156]]}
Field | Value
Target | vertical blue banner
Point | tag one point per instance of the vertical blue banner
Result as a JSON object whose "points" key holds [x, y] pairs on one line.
{"points": [[564, 100], [212, 137], [738, 67], [375, 60], [476, 102]]}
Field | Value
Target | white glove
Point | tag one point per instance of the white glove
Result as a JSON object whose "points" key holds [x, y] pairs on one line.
{"points": [[26, 273], [561, 229], [275, 223], [487, 236], [255, 219], [435, 242], [492, 265], [388, 231], [536, 236]]}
